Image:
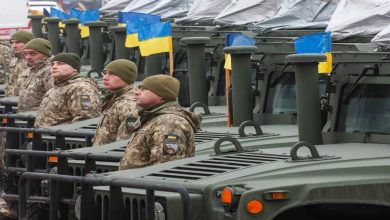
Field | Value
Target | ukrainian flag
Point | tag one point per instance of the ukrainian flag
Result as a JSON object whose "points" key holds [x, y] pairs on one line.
{"points": [[132, 35], [74, 13], [46, 12], [317, 43], [134, 21], [59, 14], [236, 39], [129, 16], [155, 38], [85, 16]]}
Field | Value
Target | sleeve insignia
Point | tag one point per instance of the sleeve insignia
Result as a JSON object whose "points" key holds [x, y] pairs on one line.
{"points": [[85, 101], [131, 123], [170, 144], [13, 62]]}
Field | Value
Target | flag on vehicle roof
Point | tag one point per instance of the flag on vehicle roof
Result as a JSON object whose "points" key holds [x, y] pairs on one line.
{"points": [[155, 38], [58, 13], [316, 43], [236, 39], [84, 17], [134, 21], [46, 12]]}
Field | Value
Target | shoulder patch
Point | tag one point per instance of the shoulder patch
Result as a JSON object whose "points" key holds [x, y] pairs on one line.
{"points": [[131, 122], [13, 61], [85, 101], [170, 144]]}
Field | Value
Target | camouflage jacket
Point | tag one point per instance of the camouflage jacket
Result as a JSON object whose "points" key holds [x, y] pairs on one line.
{"points": [[75, 99], [166, 133], [119, 116], [35, 82], [16, 66], [5, 56]]}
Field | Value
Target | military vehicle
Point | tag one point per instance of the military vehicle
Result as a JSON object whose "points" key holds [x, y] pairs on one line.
{"points": [[343, 176]]}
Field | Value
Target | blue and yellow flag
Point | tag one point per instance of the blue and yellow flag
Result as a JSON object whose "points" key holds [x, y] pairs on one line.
{"points": [[134, 21], [155, 38], [46, 12], [316, 43], [236, 39], [58, 13], [129, 16], [85, 16]]}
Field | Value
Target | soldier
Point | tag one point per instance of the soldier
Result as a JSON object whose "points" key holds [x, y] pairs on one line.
{"points": [[36, 80], [14, 66], [166, 130], [17, 64], [119, 111], [5, 56], [73, 97]]}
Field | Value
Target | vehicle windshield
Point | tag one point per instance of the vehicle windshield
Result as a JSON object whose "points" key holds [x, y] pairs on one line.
{"points": [[281, 97], [365, 110]]}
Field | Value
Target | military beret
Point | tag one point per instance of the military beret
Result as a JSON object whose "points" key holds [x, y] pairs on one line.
{"points": [[22, 36], [164, 86], [124, 69], [40, 45], [71, 59]]}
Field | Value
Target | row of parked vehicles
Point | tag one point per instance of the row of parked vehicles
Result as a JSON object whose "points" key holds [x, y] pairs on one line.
{"points": [[312, 147]]}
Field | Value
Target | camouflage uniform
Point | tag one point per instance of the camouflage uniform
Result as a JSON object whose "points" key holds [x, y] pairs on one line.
{"points": [[35, 82], [16, 66], [166, 133], [75, 99], [5, 56], [119, 116]]}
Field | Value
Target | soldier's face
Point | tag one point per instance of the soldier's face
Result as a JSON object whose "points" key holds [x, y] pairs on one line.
{"points": [[147, 99], [17, 46], [33, 56], [112, 82], [61, 71]]}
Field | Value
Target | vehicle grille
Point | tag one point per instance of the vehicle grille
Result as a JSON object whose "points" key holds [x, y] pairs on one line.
{"points": [[134, 205], [49, 142], [217, 165]]}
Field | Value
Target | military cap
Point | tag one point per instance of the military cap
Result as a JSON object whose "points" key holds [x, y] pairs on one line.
{"points": [[71, 59], [22, 36], [164, 86], [124, 69], [40, 45]]}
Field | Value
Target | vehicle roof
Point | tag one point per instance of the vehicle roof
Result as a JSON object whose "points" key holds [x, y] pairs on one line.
{"points": [[346, 156]]}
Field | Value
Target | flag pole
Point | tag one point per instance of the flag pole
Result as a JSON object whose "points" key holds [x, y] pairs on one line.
{"points": [[171, 63], [227, 86]]}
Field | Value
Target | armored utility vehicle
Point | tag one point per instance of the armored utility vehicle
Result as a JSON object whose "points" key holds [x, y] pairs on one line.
{"points": [[344, 175]]}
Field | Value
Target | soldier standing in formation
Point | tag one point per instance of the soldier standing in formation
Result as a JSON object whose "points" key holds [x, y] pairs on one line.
{"points": [[13, 66], [36, 80], [73, 97], [17, 64], [119, 111], [5, 57], [166, 131]]}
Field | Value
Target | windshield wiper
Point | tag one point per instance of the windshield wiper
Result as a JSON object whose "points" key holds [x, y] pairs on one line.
{"points": [[281, 76], [375, 72]]}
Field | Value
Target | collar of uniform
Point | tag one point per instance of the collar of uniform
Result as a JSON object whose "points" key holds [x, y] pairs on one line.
{"points": [[58, 83], [157, 108], [41, 63], [20, 56], [145, 114], [118, 93]]}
